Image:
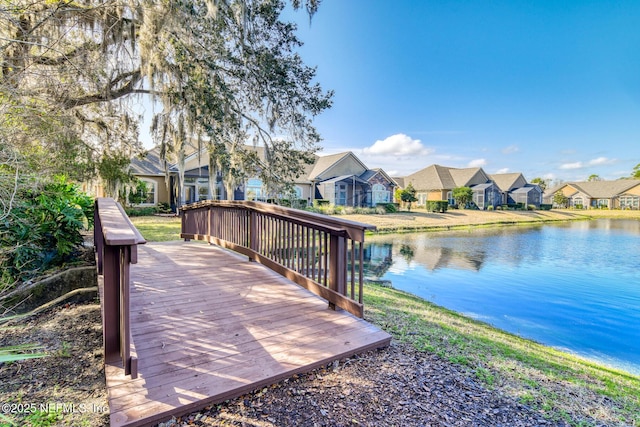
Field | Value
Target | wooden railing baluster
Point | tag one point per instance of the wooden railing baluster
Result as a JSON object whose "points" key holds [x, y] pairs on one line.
{"points": [[315, 251]]}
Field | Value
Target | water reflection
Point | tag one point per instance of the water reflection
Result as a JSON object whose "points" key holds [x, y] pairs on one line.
{"points": [[573, 285]]}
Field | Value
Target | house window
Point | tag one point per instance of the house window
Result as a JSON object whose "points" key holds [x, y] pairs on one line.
{"points": [[380, 194], [202, 186], [298, 192], [603, 203], [254, 189], [450, 198], [342, 195], [578, 203], [144, 193], [629, 202]]}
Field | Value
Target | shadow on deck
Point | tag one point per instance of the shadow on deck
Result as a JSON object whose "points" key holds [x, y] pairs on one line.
{"points": [[208, 325]]}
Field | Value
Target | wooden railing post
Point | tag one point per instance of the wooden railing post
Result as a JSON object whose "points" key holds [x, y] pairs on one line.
{"points": [[183, 223], [125, 329], [116, 241], [337, 265], [111, 302], [98, 237]]}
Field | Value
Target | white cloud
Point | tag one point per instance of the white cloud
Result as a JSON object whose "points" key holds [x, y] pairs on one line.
{"points": [[575, 165], [601, 161], [477, 163], [510, 149], [397, 145], [593, 162], [503, 170]]}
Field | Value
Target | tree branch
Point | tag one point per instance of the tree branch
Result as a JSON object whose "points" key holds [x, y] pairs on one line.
{"points": [[110, 94]]}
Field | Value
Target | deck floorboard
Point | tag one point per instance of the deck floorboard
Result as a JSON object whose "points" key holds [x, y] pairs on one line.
{"points": [[209, 325]]}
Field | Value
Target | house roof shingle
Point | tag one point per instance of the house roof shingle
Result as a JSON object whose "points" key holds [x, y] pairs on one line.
{"points": [[148, 164], [462, 177], [434, 177], [506, 181], [604, 189], [437, 177], [325, 162]]}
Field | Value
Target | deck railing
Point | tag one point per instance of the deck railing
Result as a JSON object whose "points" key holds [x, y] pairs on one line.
{"points": [[323, 254], [116, 240]]}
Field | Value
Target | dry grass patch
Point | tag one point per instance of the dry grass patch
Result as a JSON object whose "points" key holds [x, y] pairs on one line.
{"points": [[420, 220]]}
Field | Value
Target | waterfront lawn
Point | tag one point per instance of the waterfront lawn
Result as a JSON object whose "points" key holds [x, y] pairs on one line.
{"points": [[562, 386], [158, 228]]}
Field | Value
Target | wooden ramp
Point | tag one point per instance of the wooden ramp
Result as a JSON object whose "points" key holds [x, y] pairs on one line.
{"points": [[208, 325]]}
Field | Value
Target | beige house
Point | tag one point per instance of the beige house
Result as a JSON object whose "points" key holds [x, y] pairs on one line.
{"points": [[150, 170], [619, 194], [437, 182]]}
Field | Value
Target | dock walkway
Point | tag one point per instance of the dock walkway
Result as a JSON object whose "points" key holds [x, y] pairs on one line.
{"points": [[208, 325]]}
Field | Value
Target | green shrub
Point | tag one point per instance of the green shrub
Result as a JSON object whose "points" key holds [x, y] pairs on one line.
{"points": [[325, 209], [43, 230], [437, 206], [289, 203], [389, 207], [164, 208], [321, 202], [141, 210], [545, 207]]}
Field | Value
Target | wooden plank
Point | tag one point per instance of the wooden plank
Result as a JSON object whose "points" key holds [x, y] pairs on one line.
{"points": [[233, 381], [209, 326], [286, 349]]}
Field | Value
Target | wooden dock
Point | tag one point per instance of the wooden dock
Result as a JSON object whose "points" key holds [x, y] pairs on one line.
{"points": [[209, 325]]}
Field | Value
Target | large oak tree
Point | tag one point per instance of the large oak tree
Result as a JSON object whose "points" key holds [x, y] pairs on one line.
{"points": [[224, 72]]}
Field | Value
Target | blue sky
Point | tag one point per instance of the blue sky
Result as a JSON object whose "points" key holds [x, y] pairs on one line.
{"points": [[547, 88]]}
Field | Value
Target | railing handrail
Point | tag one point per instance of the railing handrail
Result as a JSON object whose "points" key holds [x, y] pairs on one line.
{"points": [[117, 228], [116, 240], [316, 251], [355, 230]]}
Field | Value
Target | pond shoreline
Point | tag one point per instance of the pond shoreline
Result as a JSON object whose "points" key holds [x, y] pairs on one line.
{"points": [[420, 220]]}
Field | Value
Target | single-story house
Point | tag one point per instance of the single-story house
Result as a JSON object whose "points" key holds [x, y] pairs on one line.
{"points": [[619, 194], [342, 179], [437, 182], [516, 189]]}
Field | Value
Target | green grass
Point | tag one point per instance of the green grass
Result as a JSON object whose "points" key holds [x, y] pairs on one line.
{"points": [[563, 386], [158, 228]]}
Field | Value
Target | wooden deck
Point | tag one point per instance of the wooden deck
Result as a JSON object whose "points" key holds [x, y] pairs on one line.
{"points": [[208, 325]]}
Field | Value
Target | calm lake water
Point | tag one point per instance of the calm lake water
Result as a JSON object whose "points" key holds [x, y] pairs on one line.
{"points": [[573, 286]]}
